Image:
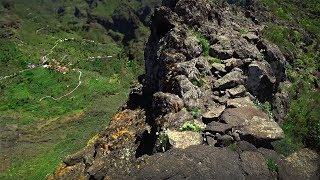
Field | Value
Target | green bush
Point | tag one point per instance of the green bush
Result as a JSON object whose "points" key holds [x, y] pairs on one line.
{"points": [[233, 147], [266, 106], [272, 166], [204, 43], [11, 57], [164, 142], [198, 82], [215, 60], [195, 112], [281, 13], [191, 126]]}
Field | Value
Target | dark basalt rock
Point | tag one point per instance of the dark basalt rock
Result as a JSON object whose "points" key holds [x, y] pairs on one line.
{"points": [[197, 162], [261, 80], [216, 127], [164, 103], [254, 165], [180, 87]]}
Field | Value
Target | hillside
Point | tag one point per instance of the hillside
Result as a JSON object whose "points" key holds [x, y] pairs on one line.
{"points": [[230, 91], [66, 67], [189, 89]]}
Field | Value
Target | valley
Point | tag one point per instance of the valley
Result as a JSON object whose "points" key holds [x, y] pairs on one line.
{"points": [[64, 73]]}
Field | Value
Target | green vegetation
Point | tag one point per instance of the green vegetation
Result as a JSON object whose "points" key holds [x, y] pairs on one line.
{"points": [[203, 42], [195, 112], [272, 165], [233, 147], [198, 82], [266, 106], [244, 31], [214, 60], [302, 125], [43, 49], [191, 126], [164, 141]]}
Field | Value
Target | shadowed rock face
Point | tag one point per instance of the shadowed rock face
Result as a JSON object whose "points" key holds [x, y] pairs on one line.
{"points": [[184, 89]]}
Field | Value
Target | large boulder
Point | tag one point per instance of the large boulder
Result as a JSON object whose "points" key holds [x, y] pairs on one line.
{"points": [[175, 120], [240, 102], [196, 162], [217, 127], [193, 69], [253, 122], [181, 40], [273, 52], [281, 101], [237, 91], [213, 113], [219, 67], [222, 49], [243, 49], [262, 129], [276, 59], [254, 165], [233, 63], [189, 92], [183, 139], [230, 80]]}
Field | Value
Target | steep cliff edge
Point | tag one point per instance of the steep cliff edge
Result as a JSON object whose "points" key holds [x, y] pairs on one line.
{"points": [[196, 112]]}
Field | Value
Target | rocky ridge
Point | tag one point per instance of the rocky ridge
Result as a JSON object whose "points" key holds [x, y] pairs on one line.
{"points": [[194, 115]]}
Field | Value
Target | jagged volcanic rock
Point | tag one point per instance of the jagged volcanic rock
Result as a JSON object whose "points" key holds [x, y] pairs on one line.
{"points": [[181, 85]]}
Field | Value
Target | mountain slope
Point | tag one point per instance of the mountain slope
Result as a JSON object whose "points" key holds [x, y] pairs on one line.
{"points": [[63, 75], [210, 105]]}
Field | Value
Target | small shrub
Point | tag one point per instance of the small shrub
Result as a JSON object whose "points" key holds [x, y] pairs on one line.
{"points": [[195, 112], [191, 126], [198, 82], [232, 147], [164, 142], [244, 31], [215, 60], [290, 143], [281, 13], [264, 106], [272, 165], [204, 43]]}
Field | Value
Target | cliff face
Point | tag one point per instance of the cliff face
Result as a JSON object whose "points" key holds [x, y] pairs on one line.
{"points": [[195, 113]]}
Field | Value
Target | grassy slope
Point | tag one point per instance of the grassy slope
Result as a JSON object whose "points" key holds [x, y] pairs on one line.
{"points": [[297, 22], [49, 130]]}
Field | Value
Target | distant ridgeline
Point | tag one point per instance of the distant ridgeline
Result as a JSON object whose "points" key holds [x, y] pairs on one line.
{"points": [[121, 20]]}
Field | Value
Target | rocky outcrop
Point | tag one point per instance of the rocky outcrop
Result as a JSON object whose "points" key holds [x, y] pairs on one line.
{"points": [[112, 150], [194, 115], [253, 122], [304, 164]]}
